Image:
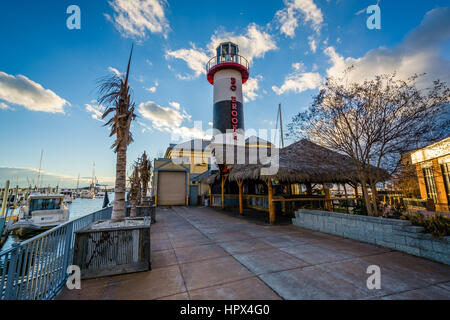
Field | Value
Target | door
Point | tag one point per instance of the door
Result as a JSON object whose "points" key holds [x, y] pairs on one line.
{"points": [[193, 195], [171, 188]]}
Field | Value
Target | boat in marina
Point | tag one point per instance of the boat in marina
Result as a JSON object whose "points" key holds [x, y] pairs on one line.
{"points": [[86, 194], [68, 196], [41, 212]]}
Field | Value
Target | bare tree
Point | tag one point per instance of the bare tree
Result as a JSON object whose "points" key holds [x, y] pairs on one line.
{"points": [[374, 122], [115, 94]]}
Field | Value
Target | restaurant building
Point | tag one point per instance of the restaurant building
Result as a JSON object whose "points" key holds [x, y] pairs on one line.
{"points": [[433, 173]]}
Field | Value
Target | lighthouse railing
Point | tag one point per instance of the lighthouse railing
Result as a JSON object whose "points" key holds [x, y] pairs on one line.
{"points": [[227, 58]]}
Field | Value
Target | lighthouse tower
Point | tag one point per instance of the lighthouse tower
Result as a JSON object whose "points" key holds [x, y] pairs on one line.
{"points": [[227, 72]]}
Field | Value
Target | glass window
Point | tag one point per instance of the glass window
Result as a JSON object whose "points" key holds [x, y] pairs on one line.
{"points": [[430, 184], [233, 49], [225, 49], [446, 175]]}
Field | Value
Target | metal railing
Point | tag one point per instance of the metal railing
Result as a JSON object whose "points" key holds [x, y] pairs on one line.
{"points": [[36, 269], [228, 58]]}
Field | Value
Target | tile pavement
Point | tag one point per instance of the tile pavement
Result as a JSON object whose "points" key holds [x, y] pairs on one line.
{"points": [[202, 253]]}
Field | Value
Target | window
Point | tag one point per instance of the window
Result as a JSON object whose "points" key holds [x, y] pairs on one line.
{"points": [[446, 175], [429, 183], [45, 204]]}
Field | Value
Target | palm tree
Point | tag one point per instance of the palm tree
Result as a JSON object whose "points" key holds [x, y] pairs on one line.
{"points": [[145, 167], [115, 95], [135, 190]]}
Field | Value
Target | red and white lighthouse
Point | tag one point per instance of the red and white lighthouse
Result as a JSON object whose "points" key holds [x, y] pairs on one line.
{"points": [[228, 71]]}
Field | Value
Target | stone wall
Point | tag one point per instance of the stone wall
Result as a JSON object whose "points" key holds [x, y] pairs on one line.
{"points": [[399, 235]]}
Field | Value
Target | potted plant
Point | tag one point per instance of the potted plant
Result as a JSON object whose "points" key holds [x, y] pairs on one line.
{"points": [[120, 245]]}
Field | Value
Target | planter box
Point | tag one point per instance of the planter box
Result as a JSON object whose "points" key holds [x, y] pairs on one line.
{"points": [[399, 235], [143, 211], [124, 247]]}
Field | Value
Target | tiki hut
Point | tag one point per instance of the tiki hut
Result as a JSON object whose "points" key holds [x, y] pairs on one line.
{"points": [[303, 162]]}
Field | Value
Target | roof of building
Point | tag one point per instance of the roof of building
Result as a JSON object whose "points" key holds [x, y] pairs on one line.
{"points": [[302, 161]]}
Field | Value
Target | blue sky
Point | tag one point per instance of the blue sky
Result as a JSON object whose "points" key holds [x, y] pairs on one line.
{"points": [[48, 73]]}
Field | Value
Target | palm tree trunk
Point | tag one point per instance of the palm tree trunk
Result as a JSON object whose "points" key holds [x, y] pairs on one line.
{"points": [[133, 212], [144, 191], [120, 185]]}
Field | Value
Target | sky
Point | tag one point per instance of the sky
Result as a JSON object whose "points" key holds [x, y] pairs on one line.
{"points": [[49, 73]]}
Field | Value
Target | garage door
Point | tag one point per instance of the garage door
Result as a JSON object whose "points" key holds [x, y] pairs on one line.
{"points": [[171, 188]]}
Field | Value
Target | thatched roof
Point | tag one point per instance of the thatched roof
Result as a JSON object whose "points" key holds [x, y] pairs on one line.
{"points": [[210, 177], [303, 161]]}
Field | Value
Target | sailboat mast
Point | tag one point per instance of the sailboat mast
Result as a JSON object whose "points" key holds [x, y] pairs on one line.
{"points": [[39, 174], [281, 126]]}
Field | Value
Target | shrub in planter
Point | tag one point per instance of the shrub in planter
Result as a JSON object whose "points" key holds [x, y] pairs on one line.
{"points": [[438, 225]]}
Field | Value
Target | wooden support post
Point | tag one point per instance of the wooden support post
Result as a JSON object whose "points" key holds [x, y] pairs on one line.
{"points": [[241, 201], [224, 179], [309, 189], [346, 197], [210, 195], [271, 207], [328, 202]]}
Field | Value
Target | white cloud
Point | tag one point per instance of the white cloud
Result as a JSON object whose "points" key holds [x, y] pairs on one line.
{"points": [[254, 43], [295, 9], [151, 89], [22, 91], [418, 53], [196, 60], [299, 80], [251, 87], [135, 18], [175, 105], [161, 117], [115, 71], [298, 66], [4, 106], [144, 126], [170, 119], [312, 44], [96, 111]]}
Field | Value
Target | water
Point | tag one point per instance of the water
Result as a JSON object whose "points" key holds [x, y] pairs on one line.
{"points": [[78, 208]]}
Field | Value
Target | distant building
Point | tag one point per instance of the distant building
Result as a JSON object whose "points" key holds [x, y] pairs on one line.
{"points": [[433, 173], [175, 177]]}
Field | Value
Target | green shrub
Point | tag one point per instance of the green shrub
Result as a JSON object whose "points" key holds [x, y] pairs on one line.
{"points": [[360, 208], [438, 225]]}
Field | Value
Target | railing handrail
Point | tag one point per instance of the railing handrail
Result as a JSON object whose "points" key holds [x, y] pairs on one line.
{"points": [[36, 268], [240, 60]]}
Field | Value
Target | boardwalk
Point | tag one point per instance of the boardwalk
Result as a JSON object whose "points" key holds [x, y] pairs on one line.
{"points": [[200, 253]]}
